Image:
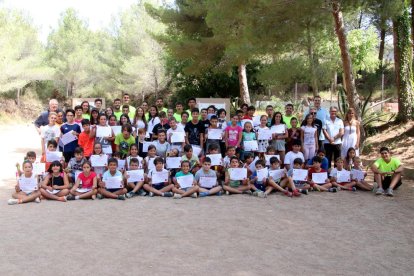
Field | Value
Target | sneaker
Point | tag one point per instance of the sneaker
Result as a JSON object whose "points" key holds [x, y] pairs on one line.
{"points": [[218, 194], [177, 196], [194, 195], [70, 197], [338, 189], [168, 194], [37, 200], [379, 191], [204, 194], [374, 187], [304, 191], [130, 194], [151, 194], [93, 197], [353, 189], [99, 196], [227, 193], [121, 197], [141, 192], [13, 201], [261, 195], [389, 192], [296, 193], [332, 190]]}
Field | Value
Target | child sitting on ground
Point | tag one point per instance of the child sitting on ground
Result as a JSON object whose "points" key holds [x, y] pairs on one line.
{"points": [[159, 188], [137, 186], [27, 188], [179, 191], [113, 176], [235, 186], [85, 184], [347, 185], [204, 178], [360, 183]]}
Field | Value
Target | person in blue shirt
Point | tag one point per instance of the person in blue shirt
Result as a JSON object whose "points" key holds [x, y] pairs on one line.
{"points": [[324, 164]]}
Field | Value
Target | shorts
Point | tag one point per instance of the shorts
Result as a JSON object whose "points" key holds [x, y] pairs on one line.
{"points": [[299, 184], [279, 145], [260, 186], [113, 190], [387, 181], [185, 189], [158, 186], [235, 183], [29, 192]]}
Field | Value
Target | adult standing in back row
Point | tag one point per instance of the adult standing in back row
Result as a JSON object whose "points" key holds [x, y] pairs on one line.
{"points": [[333, 130], [43, 119]]}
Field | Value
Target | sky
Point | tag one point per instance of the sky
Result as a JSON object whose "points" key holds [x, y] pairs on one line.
{"points": [[46, 13]]}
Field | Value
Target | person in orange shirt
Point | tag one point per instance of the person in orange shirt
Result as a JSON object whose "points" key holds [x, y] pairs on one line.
{"points": [[85, 141]]}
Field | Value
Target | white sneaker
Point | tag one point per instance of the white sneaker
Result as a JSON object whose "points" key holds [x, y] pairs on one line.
{"points": [[177, 196], [12, 201], [379, 191], [375, 187], [389, 192], [194, 195], [37, 200]]}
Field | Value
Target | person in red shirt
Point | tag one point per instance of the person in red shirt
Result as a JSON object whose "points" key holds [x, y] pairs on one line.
{"points": [[85, 141], [250, 113], [316, 168], [85, 185]]}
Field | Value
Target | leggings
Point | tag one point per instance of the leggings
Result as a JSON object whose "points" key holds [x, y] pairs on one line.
{"points": [[309, 151]]}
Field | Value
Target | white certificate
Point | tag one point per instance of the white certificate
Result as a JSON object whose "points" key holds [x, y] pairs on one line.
{"points": [[264, 134], [116, 129], [77, 173], [159, 177], [238, 173], [276, 174], [53, 156], [252, 165], [263, 173], [99, 160], [103, 131], [185, 181], [300, 175], [215, 134], [208, 181], [319, 178], [278, 129], [28, 184], [151, 165], [246, 121], [267, 157], [173, 162], [83, 190], [67, 138], [178, 137], [216, 159], [114, 182], [343, 176], [39, 168], [135, 176], [256, 120], [145, 146], [250, 145], [121, 164], [196, 150], [358, 175]]}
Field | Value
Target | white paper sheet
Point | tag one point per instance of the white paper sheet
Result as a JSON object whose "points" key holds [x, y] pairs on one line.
{"points": [[267, 158], [208, 182], [116, 129], [358, 175], [256, 120], [196, 150], [319, 178], [77, 173], [121, 164], [28, 184], [39, 168], [145, 146], [215, 134], [159, 177], [151, 165], [103, 131], [250, 145], [173, 162], [343, 176], [99, 160], [67, 138], [185, 181], [135, 176], [300, 175], [53, 156], [276, 174], [216, 159], [114, 182], [238, 173], [53, 192], [278, 129], [264, 134], [252, 165], [83, 190], [178, 137], [245, 121], [263, 173]]}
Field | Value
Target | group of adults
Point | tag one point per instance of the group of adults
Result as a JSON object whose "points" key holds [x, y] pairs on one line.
{"points": [[336, 136]]}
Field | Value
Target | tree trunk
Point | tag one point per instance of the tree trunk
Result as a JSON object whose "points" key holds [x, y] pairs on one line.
{"points": [[349, 81], [311, 57], [403, 66], [18, 96], [381, 48], [154, 72], [244, 88]]}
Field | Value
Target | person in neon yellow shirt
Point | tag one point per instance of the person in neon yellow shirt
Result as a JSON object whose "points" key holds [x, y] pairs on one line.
{"points": [[132, 109], [160, 105], [178, 111], [387, 172], [117, 108]]}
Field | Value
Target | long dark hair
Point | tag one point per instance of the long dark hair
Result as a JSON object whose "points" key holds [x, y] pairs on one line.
{"points": [[305, 121], [274, 120], [149, 113]]}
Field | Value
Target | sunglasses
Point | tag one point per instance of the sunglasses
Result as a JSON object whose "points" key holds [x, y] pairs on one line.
{"points": [[312, 113]]}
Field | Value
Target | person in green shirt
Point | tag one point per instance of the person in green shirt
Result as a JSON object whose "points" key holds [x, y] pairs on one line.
{"points": [[159, 103], [178, 111], [124, 140], [117, 108], [132, 109], [387, 173], [288, 115]]}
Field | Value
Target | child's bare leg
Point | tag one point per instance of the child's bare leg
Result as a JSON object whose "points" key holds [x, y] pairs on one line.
{"points": [[243, 188], [275, 186], [84, 195], [24, 198], [269, 189], [138, 186], [364, 185], [324, 187], [232, 190], [167, 188], [107, 193], [151, 189], [282, 156], [285, 182], [349, 185], [48, 195], [190, 191]]}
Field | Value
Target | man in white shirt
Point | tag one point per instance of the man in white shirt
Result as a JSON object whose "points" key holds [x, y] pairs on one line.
{"points": [[333, 130]]}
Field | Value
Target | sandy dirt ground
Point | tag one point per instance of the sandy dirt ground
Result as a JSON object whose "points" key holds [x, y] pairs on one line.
{"points": [[322, 233]]}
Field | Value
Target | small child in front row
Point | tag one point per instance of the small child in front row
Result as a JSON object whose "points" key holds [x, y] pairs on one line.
{"points": [[230, 152], [112, 172], [56, 184], [136, 187], [281, 183], [260, 186], [133, 153], [206, 171], [149, 159], [99, 170], [85, 186], [316, 168], [349, 186], [21, 196], [75, 164], [31, 157], [159, 189], [180, 192], [235, 186], [362, 184], [192, 158]]}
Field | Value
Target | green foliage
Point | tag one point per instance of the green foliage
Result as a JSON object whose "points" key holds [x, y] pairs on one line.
{"points": [[363, 49]]}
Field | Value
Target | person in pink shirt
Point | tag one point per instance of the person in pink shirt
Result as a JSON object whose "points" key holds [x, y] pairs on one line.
{"points": [[233, 133]]}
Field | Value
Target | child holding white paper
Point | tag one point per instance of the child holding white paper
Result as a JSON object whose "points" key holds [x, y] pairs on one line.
{"points": [[55, 186], [206, 173], [192, 158], [316, 168], [219, 169], [348, 185], [230, 152], [175, 127], [136, 186], [280, 184], [152, 154], [213, 127], [52, 147], [235, 186], [75, 164], [262, 143], [99, 170], [133, 153], [280, 133], [112, 174], [360, 183], [24, 196], [248, 134], [50, 132], [31, 157], [180, 192], [158, 188], [85, 186], [69, 127], [259, 185], [103, 134], [162, 146], [140, 140]]}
